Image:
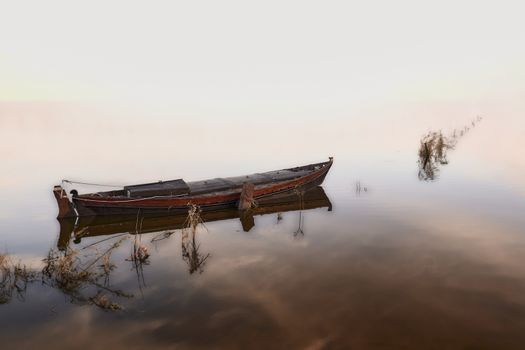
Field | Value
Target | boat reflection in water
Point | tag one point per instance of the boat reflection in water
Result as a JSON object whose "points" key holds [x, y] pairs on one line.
{"points": [[75, 230], [165, 225]]}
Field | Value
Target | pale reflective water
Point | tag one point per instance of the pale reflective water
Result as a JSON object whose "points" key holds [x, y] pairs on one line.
{"points": [[400, 260]]}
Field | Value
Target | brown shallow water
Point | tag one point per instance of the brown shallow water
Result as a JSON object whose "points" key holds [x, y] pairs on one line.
{"points": [[401, 261]]}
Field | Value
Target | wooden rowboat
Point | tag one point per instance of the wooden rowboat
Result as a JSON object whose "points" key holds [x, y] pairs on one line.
{"points": [[177, 195]]}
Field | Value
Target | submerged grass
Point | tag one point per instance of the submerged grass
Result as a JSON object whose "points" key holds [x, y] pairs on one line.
{"points": [[66, 272], [102, 301], [83, 283], [14, 279]]}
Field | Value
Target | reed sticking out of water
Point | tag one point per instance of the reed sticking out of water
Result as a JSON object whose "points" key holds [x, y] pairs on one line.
{"points": [[300, 232], [139, 253], [139, 257], [433, 150], [359, 188], [193, 220], [190, 248]]}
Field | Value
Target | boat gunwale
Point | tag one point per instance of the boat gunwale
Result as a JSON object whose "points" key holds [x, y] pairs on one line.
{"points": [[213, 197]]}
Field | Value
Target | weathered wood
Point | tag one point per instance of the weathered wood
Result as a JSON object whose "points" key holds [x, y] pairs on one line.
{"points": [[161, 188], [247, 220], [65, 208], [246, 200]]}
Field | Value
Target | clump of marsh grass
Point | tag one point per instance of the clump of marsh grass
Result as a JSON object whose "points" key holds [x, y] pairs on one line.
{"points": [[85, 282], [22, 277], [14, 279], [69, 274], [64, 271], [6, 279], [433, 150]]}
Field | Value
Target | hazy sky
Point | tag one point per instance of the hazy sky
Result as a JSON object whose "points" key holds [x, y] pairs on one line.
{"points": [[271, 54]]}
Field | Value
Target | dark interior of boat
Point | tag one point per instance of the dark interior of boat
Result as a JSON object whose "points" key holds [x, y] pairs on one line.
{"points": [[179, 187]]}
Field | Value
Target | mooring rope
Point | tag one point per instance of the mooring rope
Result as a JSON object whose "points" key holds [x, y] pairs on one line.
{"points": [[90, 183]]}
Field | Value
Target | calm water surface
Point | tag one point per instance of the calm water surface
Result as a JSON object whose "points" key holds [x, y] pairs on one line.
{"points": [[407, 257]]}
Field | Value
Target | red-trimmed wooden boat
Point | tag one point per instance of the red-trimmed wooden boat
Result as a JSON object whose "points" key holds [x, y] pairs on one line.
{"points": [[177, 195]]}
